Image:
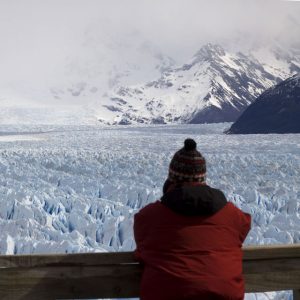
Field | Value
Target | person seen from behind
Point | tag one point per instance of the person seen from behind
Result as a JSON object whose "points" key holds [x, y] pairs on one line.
{"points": [[190, 241]]}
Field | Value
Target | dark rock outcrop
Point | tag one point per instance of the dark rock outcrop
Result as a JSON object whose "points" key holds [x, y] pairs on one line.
{"points": [[277, 110]]}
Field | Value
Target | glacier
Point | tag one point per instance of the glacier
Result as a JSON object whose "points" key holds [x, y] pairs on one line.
{"points": [[68, 189]]}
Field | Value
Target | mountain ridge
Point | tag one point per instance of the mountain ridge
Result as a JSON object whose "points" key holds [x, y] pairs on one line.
{"points": [[276, 110]]}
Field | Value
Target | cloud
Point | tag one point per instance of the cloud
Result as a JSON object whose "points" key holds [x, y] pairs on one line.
{"points": [[38, 37]]}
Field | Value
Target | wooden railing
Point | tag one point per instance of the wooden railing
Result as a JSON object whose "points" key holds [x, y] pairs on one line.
{"points": [[117, 275]]}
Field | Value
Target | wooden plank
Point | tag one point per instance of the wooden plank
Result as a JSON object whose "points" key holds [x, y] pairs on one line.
{"points": [[271, 265], [78, 259], [70, 282], [271, 251], [92, 259], [272, 274]]}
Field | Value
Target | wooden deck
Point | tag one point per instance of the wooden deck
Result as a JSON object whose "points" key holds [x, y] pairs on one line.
{"points": [[117, 275]]}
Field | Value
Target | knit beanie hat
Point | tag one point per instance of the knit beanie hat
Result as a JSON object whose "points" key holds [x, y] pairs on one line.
{"points": [[187, 165]]}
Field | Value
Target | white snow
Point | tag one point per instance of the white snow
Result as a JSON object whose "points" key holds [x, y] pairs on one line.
{"points": [[229, 61], [76, 188], [271, 63]]}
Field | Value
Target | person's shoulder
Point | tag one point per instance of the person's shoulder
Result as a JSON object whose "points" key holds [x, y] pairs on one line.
{"points": [[149, 209], [240, 216], [234, 208], [242, 221]]}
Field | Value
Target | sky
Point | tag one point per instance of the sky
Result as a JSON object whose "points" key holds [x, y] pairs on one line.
{"points": [[39, 38]]}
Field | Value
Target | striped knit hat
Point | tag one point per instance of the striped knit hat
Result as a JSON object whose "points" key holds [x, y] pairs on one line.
{"points": [[187, 165]]}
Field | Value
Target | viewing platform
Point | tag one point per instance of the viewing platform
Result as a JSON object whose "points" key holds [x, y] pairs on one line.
{"points": [[117, 275]]}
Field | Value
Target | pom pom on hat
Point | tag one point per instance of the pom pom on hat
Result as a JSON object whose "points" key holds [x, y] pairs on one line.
{"points": [[190, 145]]}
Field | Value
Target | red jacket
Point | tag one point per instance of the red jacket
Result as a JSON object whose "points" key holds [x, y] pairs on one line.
{"points": [[190, 244]]}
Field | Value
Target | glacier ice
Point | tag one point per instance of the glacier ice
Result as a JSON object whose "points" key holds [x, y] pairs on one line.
{"points": [[67, 189]]}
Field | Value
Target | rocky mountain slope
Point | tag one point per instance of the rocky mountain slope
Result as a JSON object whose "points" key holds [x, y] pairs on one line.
{"points": [[277, 110]]}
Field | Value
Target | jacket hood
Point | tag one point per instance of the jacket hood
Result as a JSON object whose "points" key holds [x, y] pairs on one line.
{"points": [[200, 200]]}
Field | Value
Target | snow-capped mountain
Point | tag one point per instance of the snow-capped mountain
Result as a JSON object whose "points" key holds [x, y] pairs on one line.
{"points": [[214, 86], [277, 110]]}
